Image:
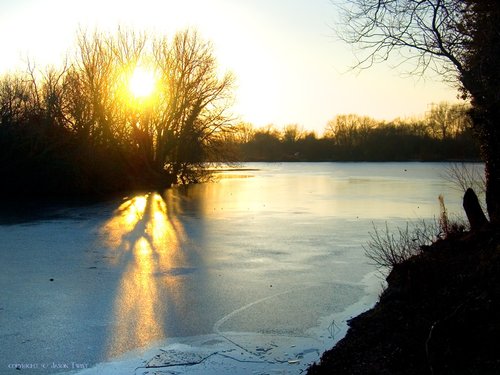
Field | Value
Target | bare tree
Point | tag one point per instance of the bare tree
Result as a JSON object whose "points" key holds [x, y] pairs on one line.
{"points": [[292, 133], [426, 33], [447, 120], [89, 81], [347, 129], [14, 99], [193, 111], [458, 39], [243, 132]]}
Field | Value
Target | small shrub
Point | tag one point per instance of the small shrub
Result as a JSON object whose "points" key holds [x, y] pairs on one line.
{"points": [[465, 176], [386, 250]]}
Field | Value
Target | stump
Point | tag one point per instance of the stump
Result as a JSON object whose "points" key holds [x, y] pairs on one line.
{"points": [[473, 210]]}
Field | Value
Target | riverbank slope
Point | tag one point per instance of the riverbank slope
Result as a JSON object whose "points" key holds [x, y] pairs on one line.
{"points": [[438, 315]]}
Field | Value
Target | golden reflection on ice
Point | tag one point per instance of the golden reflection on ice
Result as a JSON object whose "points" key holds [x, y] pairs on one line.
{"points": [[146, 238]]}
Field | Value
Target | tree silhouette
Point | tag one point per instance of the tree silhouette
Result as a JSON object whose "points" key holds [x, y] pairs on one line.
{"points": [[446, 120], [83, 130], [193, 111], [458, 39], [174, 134]]}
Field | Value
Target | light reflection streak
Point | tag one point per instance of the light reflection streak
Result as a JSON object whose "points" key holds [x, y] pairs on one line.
{"points": [[146, 239]]}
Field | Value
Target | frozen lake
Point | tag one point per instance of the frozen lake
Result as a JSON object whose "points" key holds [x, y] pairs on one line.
{"points": [[274, 250]]}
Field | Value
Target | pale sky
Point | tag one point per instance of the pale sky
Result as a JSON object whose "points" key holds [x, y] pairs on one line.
{"points": [[289, 66]]}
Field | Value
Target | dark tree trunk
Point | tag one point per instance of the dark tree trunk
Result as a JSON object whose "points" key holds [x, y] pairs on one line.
{"points": [[492, 169], [480, 76], [493, 165], [485, 122]]}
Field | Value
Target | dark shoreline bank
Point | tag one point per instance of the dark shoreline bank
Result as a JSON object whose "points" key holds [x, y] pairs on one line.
{"points": [[438, 315]]}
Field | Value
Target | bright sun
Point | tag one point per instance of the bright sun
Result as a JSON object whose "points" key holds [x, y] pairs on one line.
{"points": [[142, 83]]}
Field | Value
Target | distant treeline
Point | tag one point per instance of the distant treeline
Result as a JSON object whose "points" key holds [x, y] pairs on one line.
{"points": [[443, 134]]}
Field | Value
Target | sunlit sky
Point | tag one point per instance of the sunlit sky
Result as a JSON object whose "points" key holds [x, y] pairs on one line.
{"points": [[289, 66]]}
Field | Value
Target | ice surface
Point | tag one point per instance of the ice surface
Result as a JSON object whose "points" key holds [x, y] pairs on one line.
{"points": [[250, 275]]}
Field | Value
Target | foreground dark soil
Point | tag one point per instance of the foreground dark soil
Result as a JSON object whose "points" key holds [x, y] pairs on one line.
{"points": [[440, 314]]}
